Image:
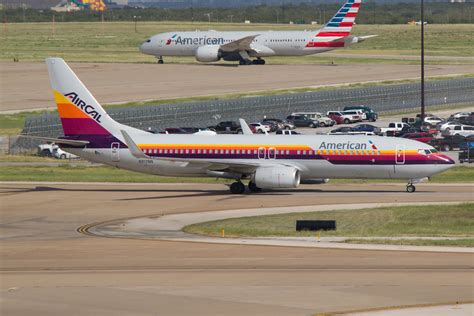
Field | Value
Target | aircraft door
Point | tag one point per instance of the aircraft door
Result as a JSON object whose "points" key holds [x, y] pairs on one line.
{"points": [[261, 153], [271, 153], [400, 155], [115, 151]]}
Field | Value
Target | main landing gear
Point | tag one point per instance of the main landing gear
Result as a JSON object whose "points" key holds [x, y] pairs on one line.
{"points": [[258, 61], [239, 188]]}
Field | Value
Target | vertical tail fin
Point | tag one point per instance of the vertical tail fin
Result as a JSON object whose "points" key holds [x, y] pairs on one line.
{"points": [[340, 26], [79, 111]]}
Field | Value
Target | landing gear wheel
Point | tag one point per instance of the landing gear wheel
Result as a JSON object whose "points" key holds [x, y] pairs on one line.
{"points": [[253, 187], [411, 188], [160, 60], [237, 188], [258, 61]]}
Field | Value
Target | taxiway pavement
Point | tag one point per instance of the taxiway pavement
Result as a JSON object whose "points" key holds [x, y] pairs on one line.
{"points": [[25, 85], [48, 268]]}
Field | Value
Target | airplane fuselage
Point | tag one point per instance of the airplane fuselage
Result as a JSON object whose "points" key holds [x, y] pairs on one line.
{"points": [[266, 43], [316, 157]]}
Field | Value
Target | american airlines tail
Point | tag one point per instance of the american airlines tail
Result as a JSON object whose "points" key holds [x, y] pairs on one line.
{"points": [[334, 34], [82, 117]]}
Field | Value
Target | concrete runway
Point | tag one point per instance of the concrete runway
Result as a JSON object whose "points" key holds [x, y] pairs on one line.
{"points": [[25, 86], [48, 268]]}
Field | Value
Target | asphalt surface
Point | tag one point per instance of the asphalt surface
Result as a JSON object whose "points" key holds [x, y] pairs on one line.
{"points": [[48, 268], [25, 85]]}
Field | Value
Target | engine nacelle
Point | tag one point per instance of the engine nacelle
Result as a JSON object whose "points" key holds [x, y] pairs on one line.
{"points": [[276, 177], [208, 53]]}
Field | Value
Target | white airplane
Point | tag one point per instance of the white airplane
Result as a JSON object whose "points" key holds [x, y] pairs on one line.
{"points": [[210, 46], [268, 161]]}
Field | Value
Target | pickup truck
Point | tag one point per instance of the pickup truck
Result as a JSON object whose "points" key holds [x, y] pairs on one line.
{"points": [[227, 127], [394, 128]]}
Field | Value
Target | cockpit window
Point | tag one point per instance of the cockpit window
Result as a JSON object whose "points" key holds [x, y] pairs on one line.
{"points": [[424, 151], [433, 151], [148, 40]]}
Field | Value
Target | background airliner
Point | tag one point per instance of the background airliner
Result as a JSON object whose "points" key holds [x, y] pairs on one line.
{"points": [[212, 46], [268, 161]]}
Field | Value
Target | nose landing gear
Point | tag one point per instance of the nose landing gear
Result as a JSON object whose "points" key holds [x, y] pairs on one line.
{"points": [[160, 60], [411, 188]]}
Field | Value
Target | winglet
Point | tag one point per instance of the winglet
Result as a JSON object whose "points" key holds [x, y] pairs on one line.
{"points": [[245, 127], [136, 152]]}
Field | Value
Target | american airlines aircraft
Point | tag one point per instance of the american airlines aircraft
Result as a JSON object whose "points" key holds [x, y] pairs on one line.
{"points": [[267, 161], [212, 46]]}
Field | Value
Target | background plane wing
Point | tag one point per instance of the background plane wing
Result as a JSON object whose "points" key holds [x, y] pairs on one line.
{"points": [[239, 45]]}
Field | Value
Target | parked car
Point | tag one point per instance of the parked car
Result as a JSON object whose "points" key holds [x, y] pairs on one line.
{"points": [[341, 131], [260, 128], [463, 130], [323, 120], [367, 128], [459, 115], [174, 130], [394, 128], [287, 132], [370, 114], [447, 143], [467, 120], [433, 120], [302, 121], [356, 115], [193, 130], [58, 153], [271, 125], [446, 125], [45, 150], [467, 150], [340, 118], [227, 127], [283, 124], [421, 137]]}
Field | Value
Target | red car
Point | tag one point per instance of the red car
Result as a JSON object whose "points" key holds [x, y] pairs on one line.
{"points": [[421, 137]]}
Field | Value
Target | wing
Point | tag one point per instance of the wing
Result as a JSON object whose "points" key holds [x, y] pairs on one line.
{"points": [[209, 164], [242, 44]]}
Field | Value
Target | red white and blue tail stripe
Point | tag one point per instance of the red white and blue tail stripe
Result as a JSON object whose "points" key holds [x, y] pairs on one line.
{"points": [[340, 26]]}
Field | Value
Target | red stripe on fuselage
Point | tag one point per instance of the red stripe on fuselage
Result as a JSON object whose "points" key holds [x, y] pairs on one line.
{"points": [[333, 34], [325, 44]]}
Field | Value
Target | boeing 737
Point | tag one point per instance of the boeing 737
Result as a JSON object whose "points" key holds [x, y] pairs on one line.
{"points": [[210, 46], [267, 161]]}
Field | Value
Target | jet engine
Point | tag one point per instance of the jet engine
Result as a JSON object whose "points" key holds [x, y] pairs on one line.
{"points": [[208, 53], [276, 177]]}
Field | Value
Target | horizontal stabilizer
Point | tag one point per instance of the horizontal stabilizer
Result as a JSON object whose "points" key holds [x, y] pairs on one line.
{"points": [[136, 152], [70, 142]]}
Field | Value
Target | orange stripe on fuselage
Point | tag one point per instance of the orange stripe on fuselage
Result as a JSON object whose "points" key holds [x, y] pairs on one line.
{"points": [[66, 108]]}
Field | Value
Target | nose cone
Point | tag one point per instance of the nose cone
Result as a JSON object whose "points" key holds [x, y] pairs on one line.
{"points": [[446, 160], [146, 47]]}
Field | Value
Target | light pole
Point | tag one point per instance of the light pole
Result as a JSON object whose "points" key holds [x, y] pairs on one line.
{"points": [[422, 62], [209, 16], [231, 17], [135, 18]]}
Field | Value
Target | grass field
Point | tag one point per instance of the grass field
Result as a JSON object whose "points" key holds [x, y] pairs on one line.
{"points": [[118, 41], [68, 173], [406, 221]]}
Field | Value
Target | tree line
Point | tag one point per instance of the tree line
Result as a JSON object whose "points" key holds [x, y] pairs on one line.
{"points": [[370, 13]]}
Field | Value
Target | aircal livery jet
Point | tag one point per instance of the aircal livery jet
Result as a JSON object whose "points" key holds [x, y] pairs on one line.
{"points": [[212, 46], [268, 161]]}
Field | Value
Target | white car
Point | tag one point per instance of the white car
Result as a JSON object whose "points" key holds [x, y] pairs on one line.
{"points": [[433, 120], [358, 115], [459, 115], [317, 116], [447, 126], [58, 153], [463, 130], [260, 128]]}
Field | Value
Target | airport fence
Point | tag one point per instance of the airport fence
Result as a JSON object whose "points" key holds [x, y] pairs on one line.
{"points": [[384, 98]]}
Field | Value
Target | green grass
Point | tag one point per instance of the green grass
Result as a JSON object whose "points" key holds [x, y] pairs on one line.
{"points": [[412, 221], [118, 42], [74, 173], [468, 242]]}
